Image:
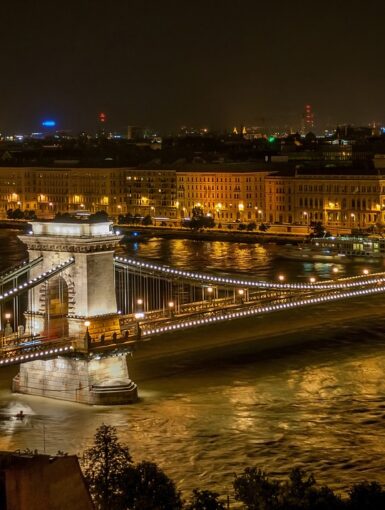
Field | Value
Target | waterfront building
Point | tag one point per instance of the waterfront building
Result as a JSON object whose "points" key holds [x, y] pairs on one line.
{"points": [[114, 190], [339, 198], [228, 192], [275, 192]]}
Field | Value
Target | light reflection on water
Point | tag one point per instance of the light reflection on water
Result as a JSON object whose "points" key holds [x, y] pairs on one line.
{"points": [[321, 406]]}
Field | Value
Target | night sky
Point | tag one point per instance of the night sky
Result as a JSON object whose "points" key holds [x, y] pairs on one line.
{"points": [[167, 63]]}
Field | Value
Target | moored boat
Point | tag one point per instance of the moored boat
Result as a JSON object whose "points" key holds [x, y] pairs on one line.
{"points": [[338, 249]]}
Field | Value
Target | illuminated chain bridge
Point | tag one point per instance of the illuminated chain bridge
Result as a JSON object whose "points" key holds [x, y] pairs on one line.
{"points": [[75, 310]]}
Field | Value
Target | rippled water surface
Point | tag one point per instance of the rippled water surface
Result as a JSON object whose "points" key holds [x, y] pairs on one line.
{"points": [[320, 405]]}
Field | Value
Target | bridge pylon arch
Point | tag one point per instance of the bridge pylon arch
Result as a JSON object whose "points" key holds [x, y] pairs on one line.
{"points": [[84, 290]]}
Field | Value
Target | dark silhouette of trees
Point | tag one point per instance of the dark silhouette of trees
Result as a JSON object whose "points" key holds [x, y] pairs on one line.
{"points": [[106, 466], [204, 500], [147, 220], [199, 220], [318, 230], [129, 219], [149, 488], [366, 496], [98, 217], [18, 214], [115, 483], [263, 227], [255, 490]]}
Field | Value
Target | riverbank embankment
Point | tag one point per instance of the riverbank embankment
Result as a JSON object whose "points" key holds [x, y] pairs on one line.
{"points": [[139, 232]]}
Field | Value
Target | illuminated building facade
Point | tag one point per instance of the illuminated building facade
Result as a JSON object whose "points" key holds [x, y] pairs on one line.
{"points": [[115, 190], [339, 197], [227, 194], [342, 198]]}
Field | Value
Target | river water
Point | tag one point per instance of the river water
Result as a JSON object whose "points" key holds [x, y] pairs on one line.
{"points": [[320, 405]]}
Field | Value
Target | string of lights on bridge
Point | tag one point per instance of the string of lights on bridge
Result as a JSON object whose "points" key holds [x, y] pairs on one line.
{"points": [[313, 285], [36, 355], [264, 309], [38, 279]]}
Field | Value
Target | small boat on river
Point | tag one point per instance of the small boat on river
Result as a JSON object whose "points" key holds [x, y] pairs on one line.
{"points": [[338, 249]]}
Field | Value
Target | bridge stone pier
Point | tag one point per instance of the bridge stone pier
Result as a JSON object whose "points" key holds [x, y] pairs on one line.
{"points": [[61, 305]]}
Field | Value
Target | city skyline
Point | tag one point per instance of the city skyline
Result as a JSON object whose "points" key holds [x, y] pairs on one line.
{"points": [[170, 65]]}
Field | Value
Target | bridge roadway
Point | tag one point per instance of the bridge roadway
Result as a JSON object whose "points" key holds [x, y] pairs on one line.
{"points": [[36, 348]]}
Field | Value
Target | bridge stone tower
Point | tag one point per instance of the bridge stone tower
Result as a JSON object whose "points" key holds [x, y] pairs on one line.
{"points": [[85, 289], [60, 305]]}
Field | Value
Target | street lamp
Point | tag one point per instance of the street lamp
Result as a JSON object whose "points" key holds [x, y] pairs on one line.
{"points": [[312, 279], [210, 291], [281, 277], [171, 306], [8, 328], [138, 316], [335, 270], [352, 219], [365, 271]]}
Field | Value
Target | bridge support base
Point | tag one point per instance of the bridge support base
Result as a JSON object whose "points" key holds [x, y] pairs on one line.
{"points": [[102, 381]]}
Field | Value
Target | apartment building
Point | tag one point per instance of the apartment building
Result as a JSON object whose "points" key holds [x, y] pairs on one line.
{"points": [[339, 198], [115, 190], [228, 192]]}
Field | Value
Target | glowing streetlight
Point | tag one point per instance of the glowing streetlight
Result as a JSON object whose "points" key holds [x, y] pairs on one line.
{"points": [[312, 279], [241, 292], [139, 301], [335, 270], [210, 291], [281, 277], [365, 271], [171, 306], [152, 212]]}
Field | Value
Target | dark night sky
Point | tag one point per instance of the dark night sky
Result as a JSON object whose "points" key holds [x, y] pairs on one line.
{"points": [[166, 63]]}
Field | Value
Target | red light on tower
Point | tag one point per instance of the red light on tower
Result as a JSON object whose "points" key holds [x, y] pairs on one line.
{"points": [[102, 117], [308, 119]]}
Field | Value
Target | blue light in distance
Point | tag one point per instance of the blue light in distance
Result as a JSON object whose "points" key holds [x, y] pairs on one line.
{"points": [[48, 123]]}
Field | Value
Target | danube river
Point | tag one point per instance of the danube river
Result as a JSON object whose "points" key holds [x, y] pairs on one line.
{"points": [[320, 405]]}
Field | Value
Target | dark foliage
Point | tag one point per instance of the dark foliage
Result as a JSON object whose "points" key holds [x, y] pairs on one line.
{"points": [[148, 488], [106, 467], [204, 500]]}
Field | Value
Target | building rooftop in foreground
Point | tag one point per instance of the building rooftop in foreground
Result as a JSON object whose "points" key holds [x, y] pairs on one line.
{"points": [[36, 481]]}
